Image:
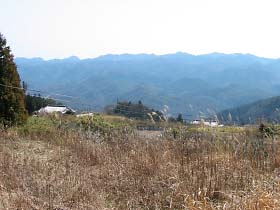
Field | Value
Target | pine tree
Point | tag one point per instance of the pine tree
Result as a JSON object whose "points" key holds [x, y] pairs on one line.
{"points": [[180, 118], [12, 110]]}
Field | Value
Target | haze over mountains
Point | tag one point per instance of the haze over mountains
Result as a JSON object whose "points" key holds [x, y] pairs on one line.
{"points": [[265, 110], [192, 85]]}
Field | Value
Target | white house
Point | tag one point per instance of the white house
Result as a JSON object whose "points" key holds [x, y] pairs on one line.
{"points": [[56, 109], [196, 122], [210, 123]]}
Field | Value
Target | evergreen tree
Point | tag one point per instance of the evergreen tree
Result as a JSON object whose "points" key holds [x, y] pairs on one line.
{"points": [[34, 103], [180, 118], [12, 110], [137, 111]]}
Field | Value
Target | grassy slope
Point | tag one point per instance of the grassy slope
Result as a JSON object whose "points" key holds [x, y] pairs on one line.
{"points": [[55, 167]]}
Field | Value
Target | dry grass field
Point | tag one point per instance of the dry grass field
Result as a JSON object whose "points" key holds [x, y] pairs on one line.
{"points": [[46, 165]]}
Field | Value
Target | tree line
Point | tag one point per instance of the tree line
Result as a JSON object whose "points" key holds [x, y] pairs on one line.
{"points": [[15, 105], [136, 111]]}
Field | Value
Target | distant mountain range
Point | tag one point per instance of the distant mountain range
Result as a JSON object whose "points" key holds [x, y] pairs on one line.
{"points": [[262, 110], [195, 86]]}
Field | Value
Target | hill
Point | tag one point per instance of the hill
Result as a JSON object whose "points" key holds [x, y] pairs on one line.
{"points": [[267, 109], [137, 111], [188, 84]]}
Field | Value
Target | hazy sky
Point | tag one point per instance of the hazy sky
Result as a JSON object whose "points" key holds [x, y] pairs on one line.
{"points": [[88, 28]]}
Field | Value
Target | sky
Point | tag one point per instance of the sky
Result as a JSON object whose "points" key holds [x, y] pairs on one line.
{"points": [[89, 28]]}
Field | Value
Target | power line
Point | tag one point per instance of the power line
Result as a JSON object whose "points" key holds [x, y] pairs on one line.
{"points": [[50, 93], [74, 97], [56, 99], [38, 91], [68, 101]]}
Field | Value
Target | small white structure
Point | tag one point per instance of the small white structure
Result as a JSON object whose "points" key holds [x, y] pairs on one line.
{"points": [[85, 115], [214, 123], [210, 123], [196, 122], [56, 109]]}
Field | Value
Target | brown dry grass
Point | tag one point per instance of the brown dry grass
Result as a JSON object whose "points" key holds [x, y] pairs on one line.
{"points": [[64, 170]]}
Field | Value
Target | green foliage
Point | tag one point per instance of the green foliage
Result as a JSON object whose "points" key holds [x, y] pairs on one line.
{"points": [[180, 118], [36, 125], [94, 123], [12, 109], [130, 110], [137, 111], [116, 121], [269, 130], [53, 125], [34, 103]]}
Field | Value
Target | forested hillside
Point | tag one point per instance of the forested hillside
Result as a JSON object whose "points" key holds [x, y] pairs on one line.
{"points": [[196, 86], [262, 110]]}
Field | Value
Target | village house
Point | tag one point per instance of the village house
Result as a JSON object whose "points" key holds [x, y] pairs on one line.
{"points": [[55, 109], [207, 122]]}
